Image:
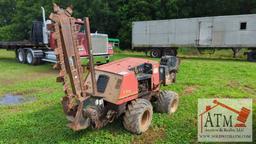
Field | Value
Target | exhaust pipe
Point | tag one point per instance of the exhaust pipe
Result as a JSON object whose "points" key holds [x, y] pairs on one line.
{"points": [[45, 31]]}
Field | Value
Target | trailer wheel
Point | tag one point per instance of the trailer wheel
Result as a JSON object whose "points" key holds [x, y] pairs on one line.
{"points": [[138, 116], [155, 53], [167, 102], [20, 56], [31, 59]]}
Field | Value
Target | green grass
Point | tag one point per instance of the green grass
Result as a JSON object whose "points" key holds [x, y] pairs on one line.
{"points": [[43, 121]]}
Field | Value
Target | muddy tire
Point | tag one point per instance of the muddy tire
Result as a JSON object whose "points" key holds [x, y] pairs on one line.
{"points": [[138, 116], [167, 102]]}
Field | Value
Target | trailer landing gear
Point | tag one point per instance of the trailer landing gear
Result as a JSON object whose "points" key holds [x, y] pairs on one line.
{"points": [[235, 52]]}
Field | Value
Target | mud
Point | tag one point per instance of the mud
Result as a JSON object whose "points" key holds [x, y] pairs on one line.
{"points": [[189, 90], [245, 88], [28, 77], [233, 84], [150, 136], [249, 89]]}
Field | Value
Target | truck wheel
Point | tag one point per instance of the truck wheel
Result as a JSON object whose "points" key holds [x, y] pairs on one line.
{"points": [[138, 116], [31, 60], [167, 102], [20, 56], [155, 53]]}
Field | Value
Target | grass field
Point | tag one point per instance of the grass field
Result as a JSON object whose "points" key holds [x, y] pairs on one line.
{"points": [[43, 121]]}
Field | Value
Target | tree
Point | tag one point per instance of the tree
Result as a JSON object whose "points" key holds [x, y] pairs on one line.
{"points": [[134, 10], [113, 17], [7, 10]]}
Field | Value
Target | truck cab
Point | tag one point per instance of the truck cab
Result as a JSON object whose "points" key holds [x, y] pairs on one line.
{"points": [[42, 43]]}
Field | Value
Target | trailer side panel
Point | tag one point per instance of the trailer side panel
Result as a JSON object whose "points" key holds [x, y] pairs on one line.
{"points": [[222, 32]]}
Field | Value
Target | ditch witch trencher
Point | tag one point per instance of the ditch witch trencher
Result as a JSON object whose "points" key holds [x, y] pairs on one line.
{"points": [[124, 88]]}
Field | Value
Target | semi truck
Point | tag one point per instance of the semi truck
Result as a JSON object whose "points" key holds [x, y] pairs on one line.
{"points": [[164, 37], [40, 47]]}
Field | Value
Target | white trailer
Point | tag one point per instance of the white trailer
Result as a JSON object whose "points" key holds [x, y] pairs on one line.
{"points": [[163, 37]]}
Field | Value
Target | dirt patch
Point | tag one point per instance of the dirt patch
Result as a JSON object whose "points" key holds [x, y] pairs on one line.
{"points": [[246, 88], [220, 96], [35, 91], [14, 110], [150, 136], [189, 89], [194, 121], [254, 101], [226, 96], [29, 77], [9, 81], [233, 84], [26, 92], [249, 89]]}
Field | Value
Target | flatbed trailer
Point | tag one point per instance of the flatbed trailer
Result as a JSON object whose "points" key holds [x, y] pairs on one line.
{"points": [[18, 44], [164, 37]]}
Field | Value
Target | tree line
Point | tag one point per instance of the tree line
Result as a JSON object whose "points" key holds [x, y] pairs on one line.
{"points": [[113, 17]]}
